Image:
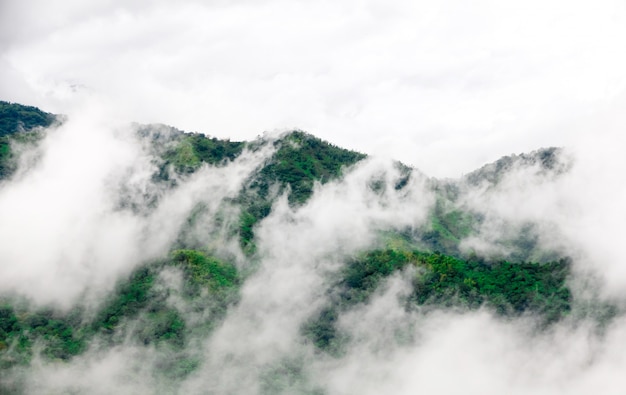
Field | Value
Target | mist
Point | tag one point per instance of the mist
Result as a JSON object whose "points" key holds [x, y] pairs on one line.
{"points": [[444, 88], [65, 213], [300, 250]]}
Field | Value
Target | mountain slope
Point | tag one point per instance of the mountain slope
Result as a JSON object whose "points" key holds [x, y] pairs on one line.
{"points": [[19, 124], [171, 307]]}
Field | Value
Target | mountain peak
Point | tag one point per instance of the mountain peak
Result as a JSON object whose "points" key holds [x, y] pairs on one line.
{"points": [[549, 160]]}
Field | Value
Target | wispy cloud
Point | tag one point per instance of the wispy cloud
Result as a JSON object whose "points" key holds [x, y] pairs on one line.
{"points": [[443, 86]]}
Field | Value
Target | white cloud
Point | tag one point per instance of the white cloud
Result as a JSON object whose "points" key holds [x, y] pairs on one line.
{"points": [[300, 251], [64, 233], [444, 86], [579, 213]]}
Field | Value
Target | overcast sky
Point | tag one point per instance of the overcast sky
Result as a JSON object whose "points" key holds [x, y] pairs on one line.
{"points": [[445, 86], [442, 85]]}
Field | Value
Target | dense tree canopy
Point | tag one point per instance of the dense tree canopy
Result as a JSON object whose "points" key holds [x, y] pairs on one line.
{"points": [[142, 308], [16, 117]]}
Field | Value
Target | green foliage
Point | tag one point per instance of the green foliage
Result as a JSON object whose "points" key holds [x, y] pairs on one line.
{"points": [[59, 335], [287, 376], [9, 327], [508, 288], [546, 160], [18, 123], [137, 310], [61, 338], [16, 117], [8, 322], [183, 157], [204, 271], [299, 162], [129, 299], [322, 331], [213, 150], [448, 227], [138, 297], [362, 276], [179, 366], [209, 281], [358, 280], [5, 155], [162, 325], [247, 221], [8, 162], [443, 281], [210, 286], [248, 218], [194, 149]]}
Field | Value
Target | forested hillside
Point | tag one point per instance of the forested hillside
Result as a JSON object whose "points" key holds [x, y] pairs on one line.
{"points": [[173, 305], [19, 124]]}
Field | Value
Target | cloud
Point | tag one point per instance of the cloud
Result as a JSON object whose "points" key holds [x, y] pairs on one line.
{"points": [[444, 86], [123, 370], [477, 353], [579, 213], [301, 250], [65, 229], [259, 343]]}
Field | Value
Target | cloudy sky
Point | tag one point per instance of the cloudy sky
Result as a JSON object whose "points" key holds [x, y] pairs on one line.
{"points": [[445, 86]]}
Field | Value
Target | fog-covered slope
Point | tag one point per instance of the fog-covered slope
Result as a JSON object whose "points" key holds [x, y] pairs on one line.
{"points": [[144, 259]]}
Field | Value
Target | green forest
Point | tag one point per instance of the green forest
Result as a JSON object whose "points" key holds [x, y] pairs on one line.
{"points": [[19, 124], [443, 278], [440, 282]]}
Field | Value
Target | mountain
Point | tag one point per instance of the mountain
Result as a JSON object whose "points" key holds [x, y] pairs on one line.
{"points": [[171, 305], [19, 124], [546, 160], [15, 118]]}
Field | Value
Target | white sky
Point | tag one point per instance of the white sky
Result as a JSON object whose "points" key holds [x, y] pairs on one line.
{"points": [[442, 85]]}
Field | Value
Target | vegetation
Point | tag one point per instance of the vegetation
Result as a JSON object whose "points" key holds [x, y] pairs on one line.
{"points": [[131, 297], [191, 150], [206, 272], [443, 281], [138, 297], [6, 167], [448, 226], [16, 118], [300, 161], [18, 124], [546, 159], [288, 377], [138, 308], [508, 288], [167, 303], [57, 336]]}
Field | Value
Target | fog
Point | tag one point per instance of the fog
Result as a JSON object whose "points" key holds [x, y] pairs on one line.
{"points": [[443, 87], [89, 241], [63, 216]]}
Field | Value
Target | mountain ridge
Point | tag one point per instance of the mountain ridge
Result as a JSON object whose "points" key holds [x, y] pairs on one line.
{"points": [[206, 283]]}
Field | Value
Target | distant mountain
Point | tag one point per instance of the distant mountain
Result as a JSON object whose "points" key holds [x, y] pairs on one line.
{"points": [[138, 312], [546, 160], [19, 124], [17, 118]]}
